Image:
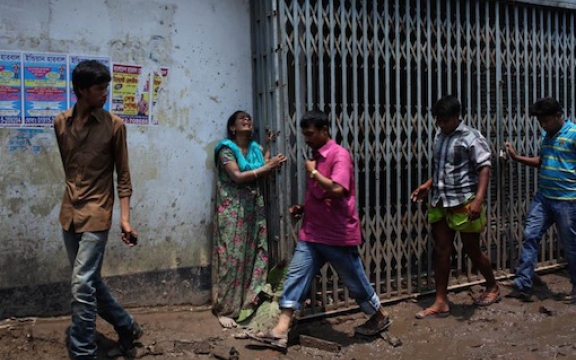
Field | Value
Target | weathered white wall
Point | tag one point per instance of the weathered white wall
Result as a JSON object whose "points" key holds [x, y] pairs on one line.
{"points": [[206, 45]]}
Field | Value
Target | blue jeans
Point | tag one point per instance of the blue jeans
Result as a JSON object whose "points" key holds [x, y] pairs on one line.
{"points": [[542, 214], [90, 296], [307, 261]]}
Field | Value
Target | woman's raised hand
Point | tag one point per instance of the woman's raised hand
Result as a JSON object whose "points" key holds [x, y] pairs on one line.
{"points": [[277, 161]]}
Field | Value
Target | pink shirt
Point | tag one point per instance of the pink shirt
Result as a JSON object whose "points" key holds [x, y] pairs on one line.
{"points": [[331, 221]]}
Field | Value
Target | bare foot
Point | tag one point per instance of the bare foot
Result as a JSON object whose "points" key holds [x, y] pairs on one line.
{"points": [[227, 322]]}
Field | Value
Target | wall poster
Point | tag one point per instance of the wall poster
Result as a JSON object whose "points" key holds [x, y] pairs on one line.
{"points": [[45, 87], [131, 94], [10, 88]]}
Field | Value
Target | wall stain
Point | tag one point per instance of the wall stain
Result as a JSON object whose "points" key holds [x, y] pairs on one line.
{"points": [[209, 150], [185, 285], [43, 209], [34, 140]]}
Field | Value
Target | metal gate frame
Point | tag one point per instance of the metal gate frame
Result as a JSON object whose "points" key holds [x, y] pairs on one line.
{"points": [[377, 67]]}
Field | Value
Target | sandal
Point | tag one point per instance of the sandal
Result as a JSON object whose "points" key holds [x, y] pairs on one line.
{"points": [[278, 342], [488, 298], [570, 298], [373, 326], [432, 313]]}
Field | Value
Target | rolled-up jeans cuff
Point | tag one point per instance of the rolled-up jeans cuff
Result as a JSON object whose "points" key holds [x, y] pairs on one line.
{"points": [[370, 306], [288, 304]]}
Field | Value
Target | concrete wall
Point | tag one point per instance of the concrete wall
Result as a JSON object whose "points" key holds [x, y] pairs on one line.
{"points": [[206, 45]]}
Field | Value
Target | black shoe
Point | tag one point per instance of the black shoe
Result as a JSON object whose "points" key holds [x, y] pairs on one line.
{"points": [[536, 280], [523, 295], [125, 346]]}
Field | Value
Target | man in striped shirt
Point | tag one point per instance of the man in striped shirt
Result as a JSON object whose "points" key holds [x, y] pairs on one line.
{"points": [[555, 200], [459, 184]]}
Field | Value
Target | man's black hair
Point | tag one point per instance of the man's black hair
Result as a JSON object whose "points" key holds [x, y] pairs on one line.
{"points": [[315, 118], [546, 106], [448, 106], [88, 73]]}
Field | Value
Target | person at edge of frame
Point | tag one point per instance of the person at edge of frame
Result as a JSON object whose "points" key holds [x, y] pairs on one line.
{"points": [[555, 199], [92, 144]]}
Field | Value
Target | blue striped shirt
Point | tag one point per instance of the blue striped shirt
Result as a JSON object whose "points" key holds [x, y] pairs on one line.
{"points": [[457, 159], [558, 164]]}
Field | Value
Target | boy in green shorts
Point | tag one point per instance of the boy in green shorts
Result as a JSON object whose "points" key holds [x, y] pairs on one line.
{"points": [[459, 184]]}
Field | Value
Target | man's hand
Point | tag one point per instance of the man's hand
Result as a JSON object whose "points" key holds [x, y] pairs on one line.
{"points": [[310, 165], [420, 193], [474, 209], [128, 235], [511, 151], [296, 211]]}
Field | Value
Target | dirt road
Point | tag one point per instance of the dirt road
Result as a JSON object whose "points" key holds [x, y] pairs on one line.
{"points": [[543, 329]]}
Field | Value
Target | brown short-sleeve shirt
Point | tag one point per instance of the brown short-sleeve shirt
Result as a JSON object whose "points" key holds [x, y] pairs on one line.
{"points": [[89, 157]]}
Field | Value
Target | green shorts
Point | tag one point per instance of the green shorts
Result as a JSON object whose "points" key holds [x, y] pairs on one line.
{"points": [[457, 217]]}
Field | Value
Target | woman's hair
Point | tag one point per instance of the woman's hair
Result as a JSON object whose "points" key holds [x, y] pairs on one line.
{"points": [[88, 73], [448, 106], [544, 107], [232, 121]]}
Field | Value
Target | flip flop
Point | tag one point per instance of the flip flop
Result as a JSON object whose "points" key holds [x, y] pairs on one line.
{"points": [[432, 313], [278, 342], [488, 298], [569, 299]]}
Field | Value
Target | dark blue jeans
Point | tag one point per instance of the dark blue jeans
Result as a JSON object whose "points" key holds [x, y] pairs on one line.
{"points": [[542, 214], [307, 261], [90, 296]]}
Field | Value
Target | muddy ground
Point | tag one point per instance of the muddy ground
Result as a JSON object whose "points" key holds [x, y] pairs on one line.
{"points": [[511, 329]]}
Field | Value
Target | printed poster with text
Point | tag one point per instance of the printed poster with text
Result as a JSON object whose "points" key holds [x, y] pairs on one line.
{"points": [[10, 88], [73, 61], [45, 87], [158, 81], [130, 94]]}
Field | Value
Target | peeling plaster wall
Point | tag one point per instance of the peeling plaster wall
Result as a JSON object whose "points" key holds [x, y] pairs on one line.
{"points": [[206, 45]]}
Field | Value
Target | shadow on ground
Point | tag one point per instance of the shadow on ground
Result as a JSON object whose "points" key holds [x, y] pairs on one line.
{"points": [[510, 329]]}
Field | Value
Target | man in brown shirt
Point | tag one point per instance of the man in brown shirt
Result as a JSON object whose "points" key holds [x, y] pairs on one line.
{"points": [[92, 144]]}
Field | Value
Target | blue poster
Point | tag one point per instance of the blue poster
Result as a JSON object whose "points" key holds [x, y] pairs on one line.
{"points": [[74, 60], [45, 87], [10, 88]]}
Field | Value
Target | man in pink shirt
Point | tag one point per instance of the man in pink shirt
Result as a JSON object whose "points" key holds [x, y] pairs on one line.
{"points": [[330, 232]]}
